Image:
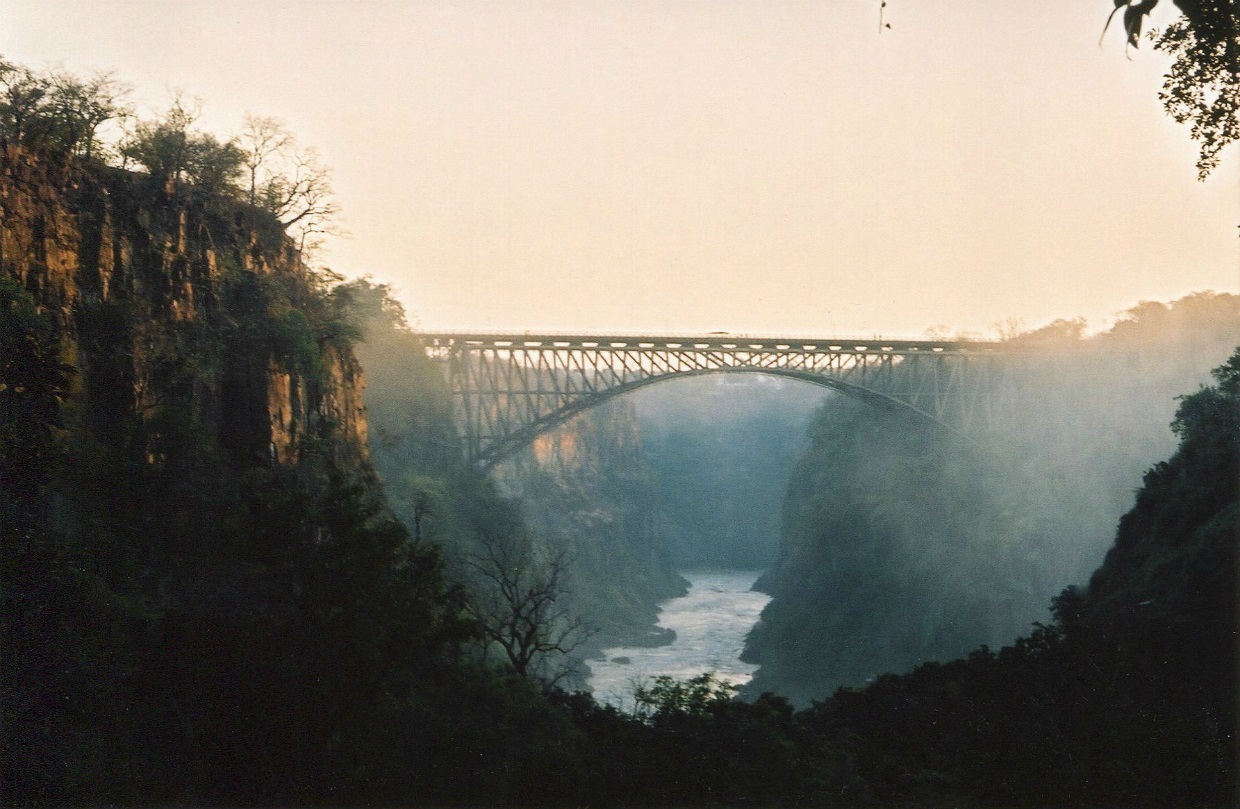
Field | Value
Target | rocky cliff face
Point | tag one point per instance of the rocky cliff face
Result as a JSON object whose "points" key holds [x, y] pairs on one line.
{"points": [[609, 439], [586, 489], [177, 303]]}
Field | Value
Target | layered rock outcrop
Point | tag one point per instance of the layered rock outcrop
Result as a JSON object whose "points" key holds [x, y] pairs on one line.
{"points": [[180, 303], [608, 439]]}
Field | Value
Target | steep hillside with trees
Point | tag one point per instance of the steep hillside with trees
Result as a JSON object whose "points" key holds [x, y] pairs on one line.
{"points": [[903, 544], [204, 598], [586, 489], [1128, 697], [578, 502]]}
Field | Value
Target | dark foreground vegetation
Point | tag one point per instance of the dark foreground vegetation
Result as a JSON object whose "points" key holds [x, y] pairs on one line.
{"points": [[207, 600]]}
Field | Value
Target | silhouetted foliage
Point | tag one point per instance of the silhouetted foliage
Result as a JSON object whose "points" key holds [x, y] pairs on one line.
{"points": [[1202, 88], [173, 152], [287, 181], [58, 111], [520, 602]]}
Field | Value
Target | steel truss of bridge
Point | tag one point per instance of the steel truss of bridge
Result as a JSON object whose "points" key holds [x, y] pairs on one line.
{"points": [[509, 388]]}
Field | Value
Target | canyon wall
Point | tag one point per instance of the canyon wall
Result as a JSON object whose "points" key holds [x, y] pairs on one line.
{"points": [[585, 488], [179, 302]]}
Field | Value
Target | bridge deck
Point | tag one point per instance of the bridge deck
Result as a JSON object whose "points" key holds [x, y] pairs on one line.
{"points": [[707, 342]]}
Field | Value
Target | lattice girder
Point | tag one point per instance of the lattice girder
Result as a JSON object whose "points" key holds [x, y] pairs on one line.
{"points": [[507, 389]]}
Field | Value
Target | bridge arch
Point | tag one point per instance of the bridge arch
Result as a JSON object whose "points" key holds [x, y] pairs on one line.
{"points": [[523, 437], [509, 389]]}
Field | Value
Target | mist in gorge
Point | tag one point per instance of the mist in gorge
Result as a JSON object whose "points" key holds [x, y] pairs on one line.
{"points": [[687, 474], [721, 448], [904, 543], [585, 488]]}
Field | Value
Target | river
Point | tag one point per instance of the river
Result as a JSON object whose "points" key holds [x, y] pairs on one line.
{"points": [[710, 622]]}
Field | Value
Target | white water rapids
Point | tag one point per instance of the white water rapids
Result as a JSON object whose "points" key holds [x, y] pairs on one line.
{"points": [[710, 622]]}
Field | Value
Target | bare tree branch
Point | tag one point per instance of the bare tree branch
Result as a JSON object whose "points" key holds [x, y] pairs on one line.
{"points": [[520, 605], [261, 140]]}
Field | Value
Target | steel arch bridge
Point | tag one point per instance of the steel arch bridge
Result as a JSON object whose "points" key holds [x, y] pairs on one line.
{"points": [[509, 388]]}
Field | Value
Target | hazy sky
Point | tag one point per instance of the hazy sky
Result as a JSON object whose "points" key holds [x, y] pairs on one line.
{"points": [[744, 165]]}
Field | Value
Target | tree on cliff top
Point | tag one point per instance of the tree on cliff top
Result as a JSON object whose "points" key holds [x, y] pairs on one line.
{"points": [[60, 111], [64, 113], [175, 153], [22, 101], [287, 180], [79, 107]]}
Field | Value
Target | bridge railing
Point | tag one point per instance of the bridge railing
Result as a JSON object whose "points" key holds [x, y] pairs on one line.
{"points": [[699, 342]]}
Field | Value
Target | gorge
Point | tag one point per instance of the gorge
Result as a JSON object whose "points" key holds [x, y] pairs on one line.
{"points": [[246, 561]]}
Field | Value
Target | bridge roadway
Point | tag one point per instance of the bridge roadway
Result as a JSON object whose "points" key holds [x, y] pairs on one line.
{"points": [[716, 341], [508, 388]]}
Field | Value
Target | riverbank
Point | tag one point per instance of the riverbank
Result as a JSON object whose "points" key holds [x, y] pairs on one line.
{"points": [[707, 625]]}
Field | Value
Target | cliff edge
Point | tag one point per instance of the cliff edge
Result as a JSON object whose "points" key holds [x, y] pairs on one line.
{"points": [[180, 302]]}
